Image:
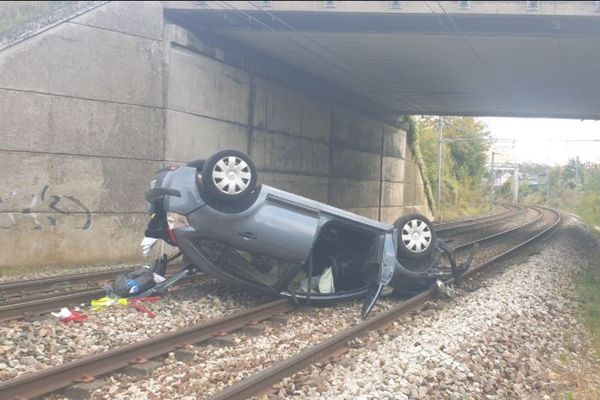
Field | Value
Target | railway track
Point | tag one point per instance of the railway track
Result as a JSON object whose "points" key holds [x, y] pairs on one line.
{"points": [[502, 233], [81, 370], [263, 381], [23, 288], [52, 379], [483, 223], [29, 298], [457, 224], [22, 299]]}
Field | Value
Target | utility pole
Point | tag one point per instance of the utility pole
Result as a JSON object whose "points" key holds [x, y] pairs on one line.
{"points": [[441, 142], [492, 182], [547, 187], [576, 173], [439, 166], [516, 185]]}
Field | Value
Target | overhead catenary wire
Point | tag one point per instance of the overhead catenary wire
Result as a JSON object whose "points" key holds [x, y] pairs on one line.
{"points": [[249, 17], [339, 62], [344, 60], [335, 67], [475, 54]]}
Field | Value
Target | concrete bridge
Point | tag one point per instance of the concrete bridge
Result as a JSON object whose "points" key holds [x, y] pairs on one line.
{"points": [[502, 58], [96, 97]]}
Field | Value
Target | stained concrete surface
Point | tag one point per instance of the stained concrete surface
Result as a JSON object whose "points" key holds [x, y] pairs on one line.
{"points": [[92, 107]]}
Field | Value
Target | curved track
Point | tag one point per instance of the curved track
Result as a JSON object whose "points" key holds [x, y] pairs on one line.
{"points": [[52, 379], [27, 298], [263, 380], [467, 222]]}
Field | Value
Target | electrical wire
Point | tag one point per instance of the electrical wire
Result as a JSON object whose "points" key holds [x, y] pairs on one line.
{"points": [[335, 67], [477, 56], [333, 54], [249, 17]]}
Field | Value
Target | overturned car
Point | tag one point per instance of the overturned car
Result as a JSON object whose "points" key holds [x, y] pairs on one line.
{"points": [[264, 239]]}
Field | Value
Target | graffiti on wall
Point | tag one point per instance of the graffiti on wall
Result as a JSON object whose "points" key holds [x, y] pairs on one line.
{"points": [[48, 210]]}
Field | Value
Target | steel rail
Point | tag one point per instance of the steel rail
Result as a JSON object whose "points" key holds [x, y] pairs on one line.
{"points": [[448, 225], [499, 235], [43, 302], [480, 223], [30, 307], [40, 296], [46, 303], [10, 288], [21, 309], [57, 282], [55, 378], [52, 379], [263, 380], [470, 222]]}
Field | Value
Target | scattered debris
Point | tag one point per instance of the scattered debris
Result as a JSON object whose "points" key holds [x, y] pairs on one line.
{"points": [[65, 315], [105, 301]]}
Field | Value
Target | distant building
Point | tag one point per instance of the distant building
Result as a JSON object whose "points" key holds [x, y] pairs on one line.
{"points": [[500, 180]]}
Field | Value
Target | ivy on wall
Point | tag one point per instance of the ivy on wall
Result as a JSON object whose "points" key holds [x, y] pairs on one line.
{"points": [[412, 138]]}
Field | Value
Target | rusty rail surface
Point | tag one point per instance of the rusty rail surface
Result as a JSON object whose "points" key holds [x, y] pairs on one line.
{"points": [[26, 298], [47, 303], [501, 234], [263, 380], [25, 287], [50, 294], [52, 379], [460, 223]]}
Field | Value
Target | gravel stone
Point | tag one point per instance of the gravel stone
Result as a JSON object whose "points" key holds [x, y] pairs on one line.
{"points": [[503, 340], [29, 346], [506, 339]]}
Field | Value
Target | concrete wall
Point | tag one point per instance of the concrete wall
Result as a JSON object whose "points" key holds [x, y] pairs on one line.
{"points": [[299, 142], [92, 107], [82, 127]]}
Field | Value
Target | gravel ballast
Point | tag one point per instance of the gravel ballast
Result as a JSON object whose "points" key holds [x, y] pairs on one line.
{"points": [[516, 336], [27, 346]]}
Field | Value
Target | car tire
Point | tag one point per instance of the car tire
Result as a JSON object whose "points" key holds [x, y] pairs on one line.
{"points": [[416, 238], [229, 176]]}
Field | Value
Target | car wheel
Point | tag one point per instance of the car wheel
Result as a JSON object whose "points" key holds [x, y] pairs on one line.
{"points": [[415, 237], [229, 176]]}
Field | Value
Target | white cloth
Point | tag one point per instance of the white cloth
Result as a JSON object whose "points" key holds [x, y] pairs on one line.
{"points": [[326, 284], [147, 244]]}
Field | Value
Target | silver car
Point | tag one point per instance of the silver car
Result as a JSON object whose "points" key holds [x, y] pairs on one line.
{"points": [[265, 239]]}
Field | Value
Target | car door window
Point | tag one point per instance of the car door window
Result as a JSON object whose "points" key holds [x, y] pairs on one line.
{"points": [[248, 265]]}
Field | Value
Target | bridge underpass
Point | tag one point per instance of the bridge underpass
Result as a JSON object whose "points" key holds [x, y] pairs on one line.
{"points": [[95, 101], [424, 57]]}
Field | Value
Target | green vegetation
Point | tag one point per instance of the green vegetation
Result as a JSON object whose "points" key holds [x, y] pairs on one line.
{"points": [[574, 187], [13, 13], [588, 292], [415, 146], [463, 165], [587, 287]]}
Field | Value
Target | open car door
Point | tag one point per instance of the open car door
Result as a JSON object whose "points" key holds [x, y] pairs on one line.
{"points": [[381, 274]]}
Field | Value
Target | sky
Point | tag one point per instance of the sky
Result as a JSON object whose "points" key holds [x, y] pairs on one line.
{"points": [[544, 141]]}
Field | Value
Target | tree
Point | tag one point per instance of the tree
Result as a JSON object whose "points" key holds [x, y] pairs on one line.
{"points": [[463, 162]]}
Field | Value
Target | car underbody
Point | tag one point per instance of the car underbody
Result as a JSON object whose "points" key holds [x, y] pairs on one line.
{"points": [[267, 240]]}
